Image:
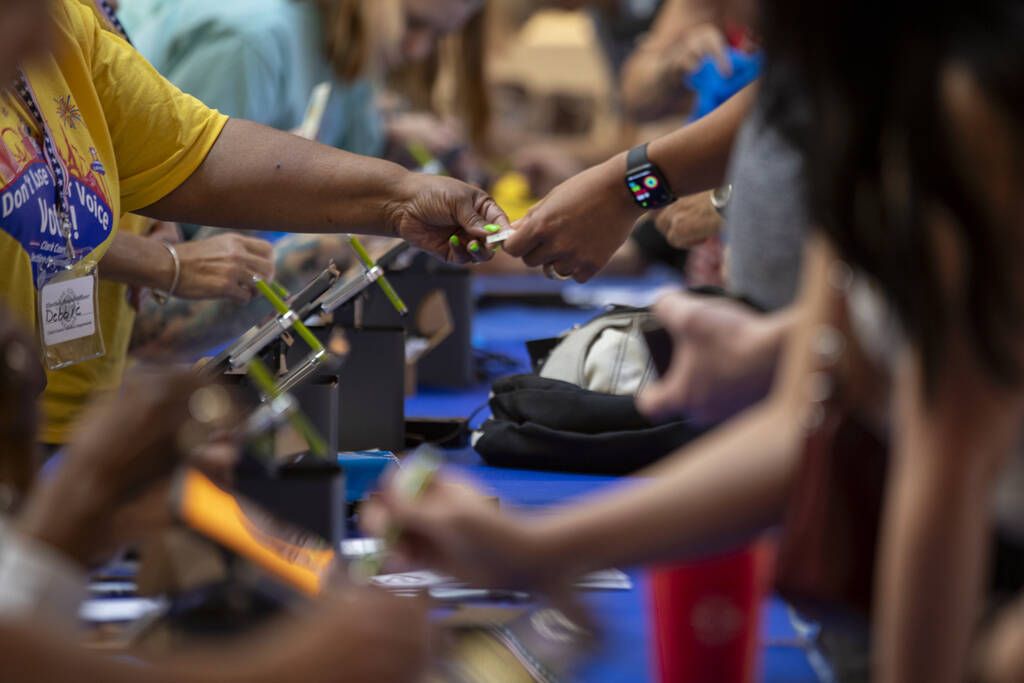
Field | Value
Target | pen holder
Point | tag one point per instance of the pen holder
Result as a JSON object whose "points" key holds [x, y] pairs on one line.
{"points": [[308, 492], [450, 364], [370, 404]]}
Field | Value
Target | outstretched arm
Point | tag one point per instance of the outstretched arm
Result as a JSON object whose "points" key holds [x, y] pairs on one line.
{"points": [[716, 492], [581, 223], [259, 178], [948, 455]]}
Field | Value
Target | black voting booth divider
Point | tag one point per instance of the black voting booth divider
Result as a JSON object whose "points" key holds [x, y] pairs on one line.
{"points": [[361, 405], [450, 364], [308, 380], [344, 372]]}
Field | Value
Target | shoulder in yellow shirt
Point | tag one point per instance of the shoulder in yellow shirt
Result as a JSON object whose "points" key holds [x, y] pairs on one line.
{"points": [[126, 136]]}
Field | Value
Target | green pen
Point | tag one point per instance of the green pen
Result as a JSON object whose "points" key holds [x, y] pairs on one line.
{"points": [[264, 379], [279, 290], [410, 482], [382, 281], [427, 161], [281, 307]]}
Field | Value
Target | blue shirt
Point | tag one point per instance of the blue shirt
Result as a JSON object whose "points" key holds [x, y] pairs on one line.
{"points": [[256, 60]]}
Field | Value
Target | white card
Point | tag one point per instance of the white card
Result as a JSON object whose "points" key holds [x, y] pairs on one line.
{"points": [[500, 237], [68, 310], [411, 580]]}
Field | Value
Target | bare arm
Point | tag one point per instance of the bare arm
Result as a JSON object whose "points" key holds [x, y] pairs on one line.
{"points": [[183, 329], [936, 525], [220, 267], [716, 492], [651, 84], [721, 489], [349, 636], [581, 223], [258, 178]]}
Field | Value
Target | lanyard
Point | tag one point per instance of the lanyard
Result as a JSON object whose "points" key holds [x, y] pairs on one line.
{"points": [[56, 165], [111, 16]]}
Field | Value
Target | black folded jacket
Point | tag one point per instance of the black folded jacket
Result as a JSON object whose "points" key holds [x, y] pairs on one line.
{"points": [[545, 424]]}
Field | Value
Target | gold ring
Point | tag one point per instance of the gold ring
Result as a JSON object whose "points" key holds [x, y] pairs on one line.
{"points": [[552, 274]]}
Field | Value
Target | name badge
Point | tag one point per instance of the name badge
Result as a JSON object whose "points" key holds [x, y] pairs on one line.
{"points": [[68, 310], [69, 326]]}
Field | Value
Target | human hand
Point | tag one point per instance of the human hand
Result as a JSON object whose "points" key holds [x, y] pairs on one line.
{"points": [[124, 446], [577, 228], [998, 656], [446, 218], [453, 528], [223, 266], [22, 379], [723, 357], [355, 634], [161, 231], [427, 129], [688, 220], [693, 45]]}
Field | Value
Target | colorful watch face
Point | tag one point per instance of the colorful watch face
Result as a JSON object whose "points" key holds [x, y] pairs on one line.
{"points": [[648, 188]]}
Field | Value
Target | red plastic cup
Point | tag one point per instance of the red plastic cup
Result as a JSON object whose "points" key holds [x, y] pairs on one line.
{"points": [[706, 617]]}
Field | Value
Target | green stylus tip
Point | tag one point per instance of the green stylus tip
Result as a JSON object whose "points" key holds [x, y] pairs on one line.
{"points": [[271, 296], [454, 239], [361, 252]]}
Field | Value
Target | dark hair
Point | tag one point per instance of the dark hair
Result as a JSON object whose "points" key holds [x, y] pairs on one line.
{"points": [[857, 86]]}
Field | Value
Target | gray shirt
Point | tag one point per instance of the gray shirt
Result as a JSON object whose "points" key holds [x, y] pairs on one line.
{"points": [[767, 215]]}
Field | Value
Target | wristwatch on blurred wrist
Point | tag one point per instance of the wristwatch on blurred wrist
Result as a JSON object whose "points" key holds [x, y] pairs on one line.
{"points": [[647, 184]]}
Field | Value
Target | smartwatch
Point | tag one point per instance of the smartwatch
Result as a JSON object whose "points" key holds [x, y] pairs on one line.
{"points": [[645, 181]]}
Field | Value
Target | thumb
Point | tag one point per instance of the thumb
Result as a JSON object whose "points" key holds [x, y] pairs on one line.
{"points": [[659, 402], [717, 49], [477, 213]]}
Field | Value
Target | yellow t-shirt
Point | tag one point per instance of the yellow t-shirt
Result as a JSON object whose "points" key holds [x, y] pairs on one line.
{"points": [[126, 135], [69, 390]]}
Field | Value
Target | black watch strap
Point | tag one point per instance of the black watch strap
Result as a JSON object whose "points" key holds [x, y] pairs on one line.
{"points": [[637, 157]]}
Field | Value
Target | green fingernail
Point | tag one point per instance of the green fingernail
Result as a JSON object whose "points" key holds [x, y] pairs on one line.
{"points": [[491, 227], [454, 239], [474, 246]]}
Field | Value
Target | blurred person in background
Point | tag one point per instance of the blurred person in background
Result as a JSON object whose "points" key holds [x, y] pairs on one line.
{"points": [[53, 530], [909, 317], [91, 132], [262, 61]]}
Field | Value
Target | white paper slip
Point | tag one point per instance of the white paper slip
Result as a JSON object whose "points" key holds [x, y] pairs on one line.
{"points": [[68, 310], [413, 580], [499, 237]]}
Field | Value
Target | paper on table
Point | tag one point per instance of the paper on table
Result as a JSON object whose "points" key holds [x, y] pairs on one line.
{"points": [[115, 610], [606, 579]]}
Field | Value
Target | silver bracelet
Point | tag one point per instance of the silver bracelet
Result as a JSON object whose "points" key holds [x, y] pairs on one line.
{"points": [[160, 295], [720, 198]]}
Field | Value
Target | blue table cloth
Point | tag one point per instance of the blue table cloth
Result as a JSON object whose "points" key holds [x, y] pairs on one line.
{"points": [[627, 650]]}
